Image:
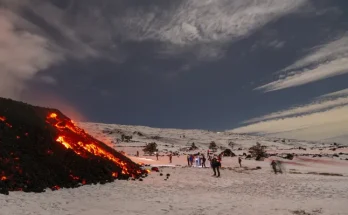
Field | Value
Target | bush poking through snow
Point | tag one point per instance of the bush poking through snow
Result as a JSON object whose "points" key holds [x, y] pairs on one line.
{"points": [[228, 153], [289, 156], [150, 148], [258, 151], [193, 146], [212, 145], [126, 138]]}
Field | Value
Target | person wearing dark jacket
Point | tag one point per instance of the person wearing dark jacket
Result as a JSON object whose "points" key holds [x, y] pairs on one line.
{"points": [[215, 164], [240, 161], [203, 161], [274, 166]]}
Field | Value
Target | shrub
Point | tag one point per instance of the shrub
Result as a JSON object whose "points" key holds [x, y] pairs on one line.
{"points": [[126, 138], [212, 145], [228, 153], [150, 148], [258, 151], [193, 146]]}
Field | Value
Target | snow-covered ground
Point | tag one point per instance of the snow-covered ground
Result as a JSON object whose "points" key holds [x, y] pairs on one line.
{"points": [[311, 185]]}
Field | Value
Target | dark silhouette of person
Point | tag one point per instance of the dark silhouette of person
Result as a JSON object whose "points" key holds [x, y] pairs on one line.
{"points": [[170, 158], [274, 166], [240, 161], [137, 153], [203, 161], [157, 155], [215, 163], [191, 160], [188, 160]]}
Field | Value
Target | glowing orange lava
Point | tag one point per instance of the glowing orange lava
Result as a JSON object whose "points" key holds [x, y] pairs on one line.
{"points": [[56, 187], [3, 178], [60, 139], [3, 119], [79, 147]]}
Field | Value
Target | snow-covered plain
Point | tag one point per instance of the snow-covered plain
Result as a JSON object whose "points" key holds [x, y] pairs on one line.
{"points": [[311, 185]]}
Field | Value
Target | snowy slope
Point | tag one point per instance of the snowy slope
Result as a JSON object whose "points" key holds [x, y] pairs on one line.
{"points": [[176, 139], [310, 186]]}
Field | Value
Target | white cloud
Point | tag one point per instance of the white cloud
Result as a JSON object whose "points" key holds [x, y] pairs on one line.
{"points": [[316, 126], [326, 118], [199, 25], [325, 61], [336, 49], [219, 20], [94, 29], [206, 22], [22, 54], [341, 93], [314, 107]]}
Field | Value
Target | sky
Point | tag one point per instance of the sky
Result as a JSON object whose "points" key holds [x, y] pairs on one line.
{"points": [[267, 67]]}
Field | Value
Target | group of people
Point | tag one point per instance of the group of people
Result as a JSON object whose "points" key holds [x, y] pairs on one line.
{"points": [[215, 162], [201, 159]]}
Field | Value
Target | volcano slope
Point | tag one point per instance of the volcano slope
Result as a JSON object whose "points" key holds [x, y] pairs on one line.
{"points": [[42, 148]]}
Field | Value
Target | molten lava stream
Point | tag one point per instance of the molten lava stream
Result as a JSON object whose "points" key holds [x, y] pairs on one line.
{"points": [[91, 147]]}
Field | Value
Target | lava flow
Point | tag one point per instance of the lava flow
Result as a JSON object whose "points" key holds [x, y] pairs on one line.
{"points": [[42, 148], [79, 146]]}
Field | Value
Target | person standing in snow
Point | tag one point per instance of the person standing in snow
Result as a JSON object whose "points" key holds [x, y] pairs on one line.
{"points": [[240, 161], [157, 155], [191, 160], [170, 158], [216, 166], [137, 153], [203, 161], [188, 160], [274, 166]]}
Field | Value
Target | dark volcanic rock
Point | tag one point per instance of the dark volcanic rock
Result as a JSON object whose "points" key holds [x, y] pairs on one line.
{"points": [[228, 153], [41, 148], [289, 156]]}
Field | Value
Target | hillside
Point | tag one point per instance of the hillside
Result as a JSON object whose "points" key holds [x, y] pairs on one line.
{"points": [[179, 141]]}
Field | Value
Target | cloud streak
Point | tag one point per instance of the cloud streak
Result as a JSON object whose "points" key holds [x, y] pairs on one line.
{"points": [[325, 61], [316, 126], [326, 118]]}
